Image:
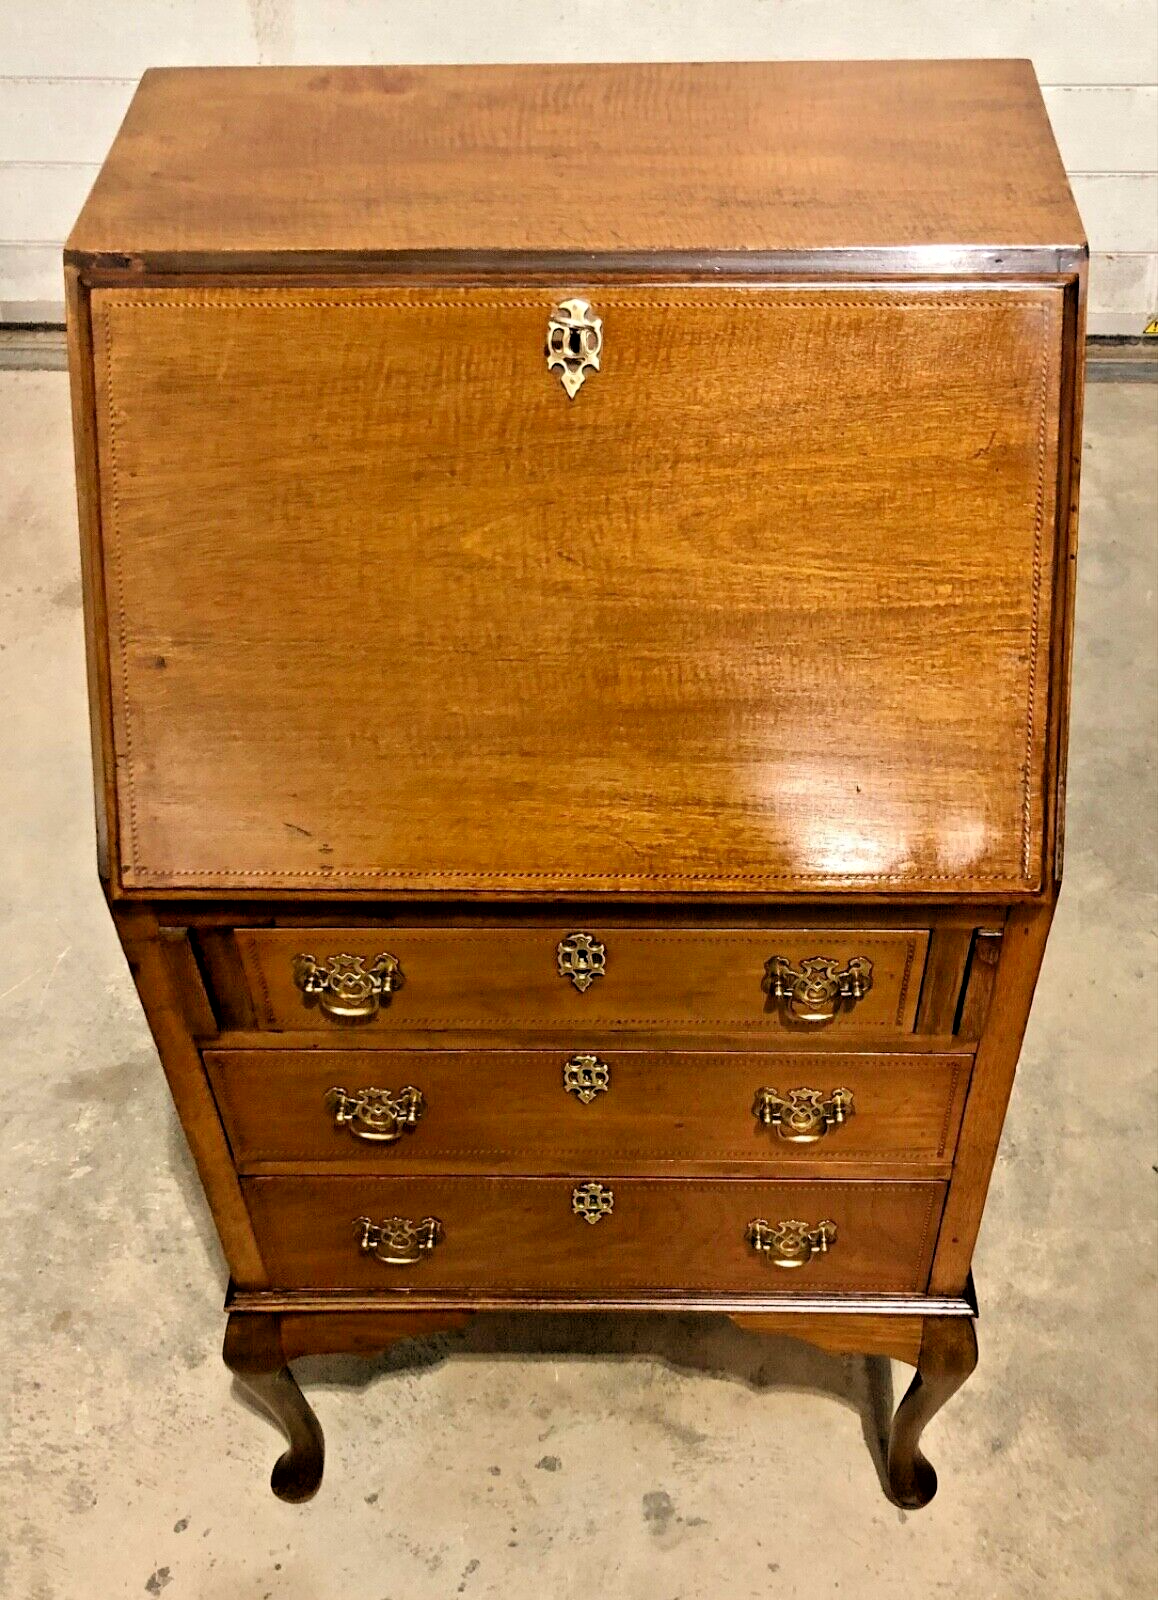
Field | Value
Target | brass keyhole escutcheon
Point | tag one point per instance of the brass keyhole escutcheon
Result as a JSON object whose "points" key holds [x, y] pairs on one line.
{"points": [[585, 1077], [592, 1202], [574, 343], [582, 958]]}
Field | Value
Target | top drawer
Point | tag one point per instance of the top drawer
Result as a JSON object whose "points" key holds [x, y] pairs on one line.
{"points": [[585, 978], [764, 608]]}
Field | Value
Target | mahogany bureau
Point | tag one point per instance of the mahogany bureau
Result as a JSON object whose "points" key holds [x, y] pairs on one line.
{"points": [[579, 579]]}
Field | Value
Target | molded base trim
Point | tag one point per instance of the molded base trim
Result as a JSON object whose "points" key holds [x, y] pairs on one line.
{"points": [[406, 1301]]}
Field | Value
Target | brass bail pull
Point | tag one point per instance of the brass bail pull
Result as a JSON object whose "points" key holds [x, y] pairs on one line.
{"points": [[819, 988], [802, 1115], [377, 1115], [397, 1241], [348, 988], [790, 1244]]}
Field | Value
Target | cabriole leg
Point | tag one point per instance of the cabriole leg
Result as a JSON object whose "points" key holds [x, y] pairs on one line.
{"points": [[254, 1354], [948, 1355]]}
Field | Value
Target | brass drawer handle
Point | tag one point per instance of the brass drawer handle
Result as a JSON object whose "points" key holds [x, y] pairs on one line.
{"points": [[377, 1115], [802, 1116], [396, 1241], [582, 958], [790, 1244], [585, 1077], [816, 990], [344, 987], [574, 343], [592, 1202]]}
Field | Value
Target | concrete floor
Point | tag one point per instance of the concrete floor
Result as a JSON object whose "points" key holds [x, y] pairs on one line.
{"points": [[634, 1461]]}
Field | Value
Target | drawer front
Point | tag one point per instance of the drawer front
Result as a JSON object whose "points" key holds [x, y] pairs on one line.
{"points": [[535, 1234], [534, 1111], [765, 608], [583, 976]]}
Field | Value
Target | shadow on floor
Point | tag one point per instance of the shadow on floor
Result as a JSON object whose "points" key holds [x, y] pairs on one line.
{"points": [[702, 1343]]}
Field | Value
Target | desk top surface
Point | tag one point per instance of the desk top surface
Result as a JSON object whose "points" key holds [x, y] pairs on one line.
{"points": [[911, 158]]}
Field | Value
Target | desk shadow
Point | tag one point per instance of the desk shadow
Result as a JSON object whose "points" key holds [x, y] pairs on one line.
{"points": [[702, 1343]]}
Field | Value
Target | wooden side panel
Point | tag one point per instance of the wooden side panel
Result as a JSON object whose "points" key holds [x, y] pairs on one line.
{"points": [[982, 970], [167, 1011], [1022, 948], [510, 1110], [96, 620], [944, 977], [765, 609], [683, 977], [521, 1233]]}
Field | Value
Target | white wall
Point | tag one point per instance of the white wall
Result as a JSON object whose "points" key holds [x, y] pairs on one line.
{"points": [[67, 69]]}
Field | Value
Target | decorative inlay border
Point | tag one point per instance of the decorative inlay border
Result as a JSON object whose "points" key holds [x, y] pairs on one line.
{"points": [[884, 942], [817, 1191], [763, 298]]}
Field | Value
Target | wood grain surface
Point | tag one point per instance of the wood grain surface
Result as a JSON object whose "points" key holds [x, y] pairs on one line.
{"points": [[844, 1334], [521, 1233], [759, 646], [509, 1111], [647, 158], [766, 609], [168, 1009], [686, 978], [1022, 947]]}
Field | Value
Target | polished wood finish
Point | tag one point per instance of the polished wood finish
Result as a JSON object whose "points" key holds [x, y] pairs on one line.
{"points": [[646, 159], [759, 646], [1022, 949], [258, 1350], [846, 1333], [430, 680], [772, 1301], [167, 1010], [945, 969], [481, 978], [942, 1348], [521, 1233], [254, 1353], [508, 1111], [82, 386], [948, 1355], [218, 961], [979, 974], [362, 1333]]}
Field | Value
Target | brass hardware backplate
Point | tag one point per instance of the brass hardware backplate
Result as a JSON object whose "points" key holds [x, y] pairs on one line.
{"points": [[396, 1241], [790, 1243], [377, 1115], [574, 343], [345, 987], [802, 1115], [592, 1202], [816, 990], [582, 958], [585, 1077]]}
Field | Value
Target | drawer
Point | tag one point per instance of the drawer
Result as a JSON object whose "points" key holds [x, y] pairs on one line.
{"points": [[584, 976], [526, 1234], [531, 1111], [764, 609]]}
